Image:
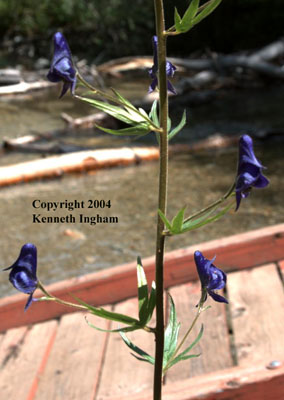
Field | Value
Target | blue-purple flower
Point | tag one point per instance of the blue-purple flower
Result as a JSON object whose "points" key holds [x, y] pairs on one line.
{"points": [[249, 170], [211, 278], [170, 69], [62, 68], [23, 272]]}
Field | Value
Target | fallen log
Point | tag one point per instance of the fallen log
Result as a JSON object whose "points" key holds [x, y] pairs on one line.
{"points": [[24, 87], [9, 76], [259, 61], [90, 121], [57, 166]]}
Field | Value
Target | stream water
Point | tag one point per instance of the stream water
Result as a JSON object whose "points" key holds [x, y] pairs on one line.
{"points": [[194, 179]]}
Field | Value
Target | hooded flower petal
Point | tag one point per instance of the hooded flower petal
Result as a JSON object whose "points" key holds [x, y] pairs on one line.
{"points": [[211, 277], [170, 70], [23, 271], [249, 170], [62, 68]]}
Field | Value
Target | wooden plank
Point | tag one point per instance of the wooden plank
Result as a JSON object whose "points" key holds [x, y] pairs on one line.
{"points": [[215, 334], [281, 268], [115, 284], [25, 363], [74, 363], [257, 304], [237, 383], [123, 375], [10, 345]]}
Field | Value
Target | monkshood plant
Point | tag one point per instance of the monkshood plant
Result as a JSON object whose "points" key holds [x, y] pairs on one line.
{"points": [[169, 348]]}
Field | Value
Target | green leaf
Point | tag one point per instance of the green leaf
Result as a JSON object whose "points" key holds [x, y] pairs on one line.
{"points": [[116, 112], [183, 356], [190, 13], [169, 124], [145, 356], [151, 302], [195, 221], [122, 99], [211, 5], [153, 113], [142, 292], [138, 130], [178, 127], [207, 220], [177, 359], [177, 221], [102, 313], [165, 220], [171, 334], [125, 329], [177, 21]]}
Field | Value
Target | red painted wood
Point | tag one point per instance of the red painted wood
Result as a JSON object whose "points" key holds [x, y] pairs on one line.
{"points": [[75, 361], [256, 306], [115, 284], [237, 383], [25, 360]]}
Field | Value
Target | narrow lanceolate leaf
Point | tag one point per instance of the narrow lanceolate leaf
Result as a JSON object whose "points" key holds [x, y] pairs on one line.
{"points": [[183, 356], [102, 313], [151, 302], [116, 112], [142, 292], [177, 21], [165, 220], [207, 220], [178, 127], [177, 221], [169, 124], [143, 355], [207, 10], [153, 113], [192, 223], [171, 334], [122, 99], [125, 329], [138, 130], [177, 359], [190, 13]]}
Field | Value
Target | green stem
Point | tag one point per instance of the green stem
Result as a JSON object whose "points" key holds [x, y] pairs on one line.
{"points": [[162, 202], [212, 205], [49, 297]]}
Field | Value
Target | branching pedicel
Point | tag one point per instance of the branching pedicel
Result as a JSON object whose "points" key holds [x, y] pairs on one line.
{"points": [[23, 273]]}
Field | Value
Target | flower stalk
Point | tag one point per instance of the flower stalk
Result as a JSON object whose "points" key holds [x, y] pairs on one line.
{"points": [[162, 200]]}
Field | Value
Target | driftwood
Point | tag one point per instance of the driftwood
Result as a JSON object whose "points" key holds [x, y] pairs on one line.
{"points": [[89, 121], [10, 76], [23, 87], [42, 148], [57, 166], [259, 61]]}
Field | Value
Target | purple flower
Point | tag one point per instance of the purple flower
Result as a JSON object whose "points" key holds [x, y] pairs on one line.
{"points": [[62, 68], [249, 170], [211, 278], [23, 272], [170, 70]]}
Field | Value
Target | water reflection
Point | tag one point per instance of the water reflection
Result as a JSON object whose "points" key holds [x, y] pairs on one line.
{"points": [[195, 180]]}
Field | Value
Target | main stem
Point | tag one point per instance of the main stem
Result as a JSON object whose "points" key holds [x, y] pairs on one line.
{"points": [[163, 180]]}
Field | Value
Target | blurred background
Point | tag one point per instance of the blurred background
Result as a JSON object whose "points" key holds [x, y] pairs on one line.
{"points": [[238, 100]]}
